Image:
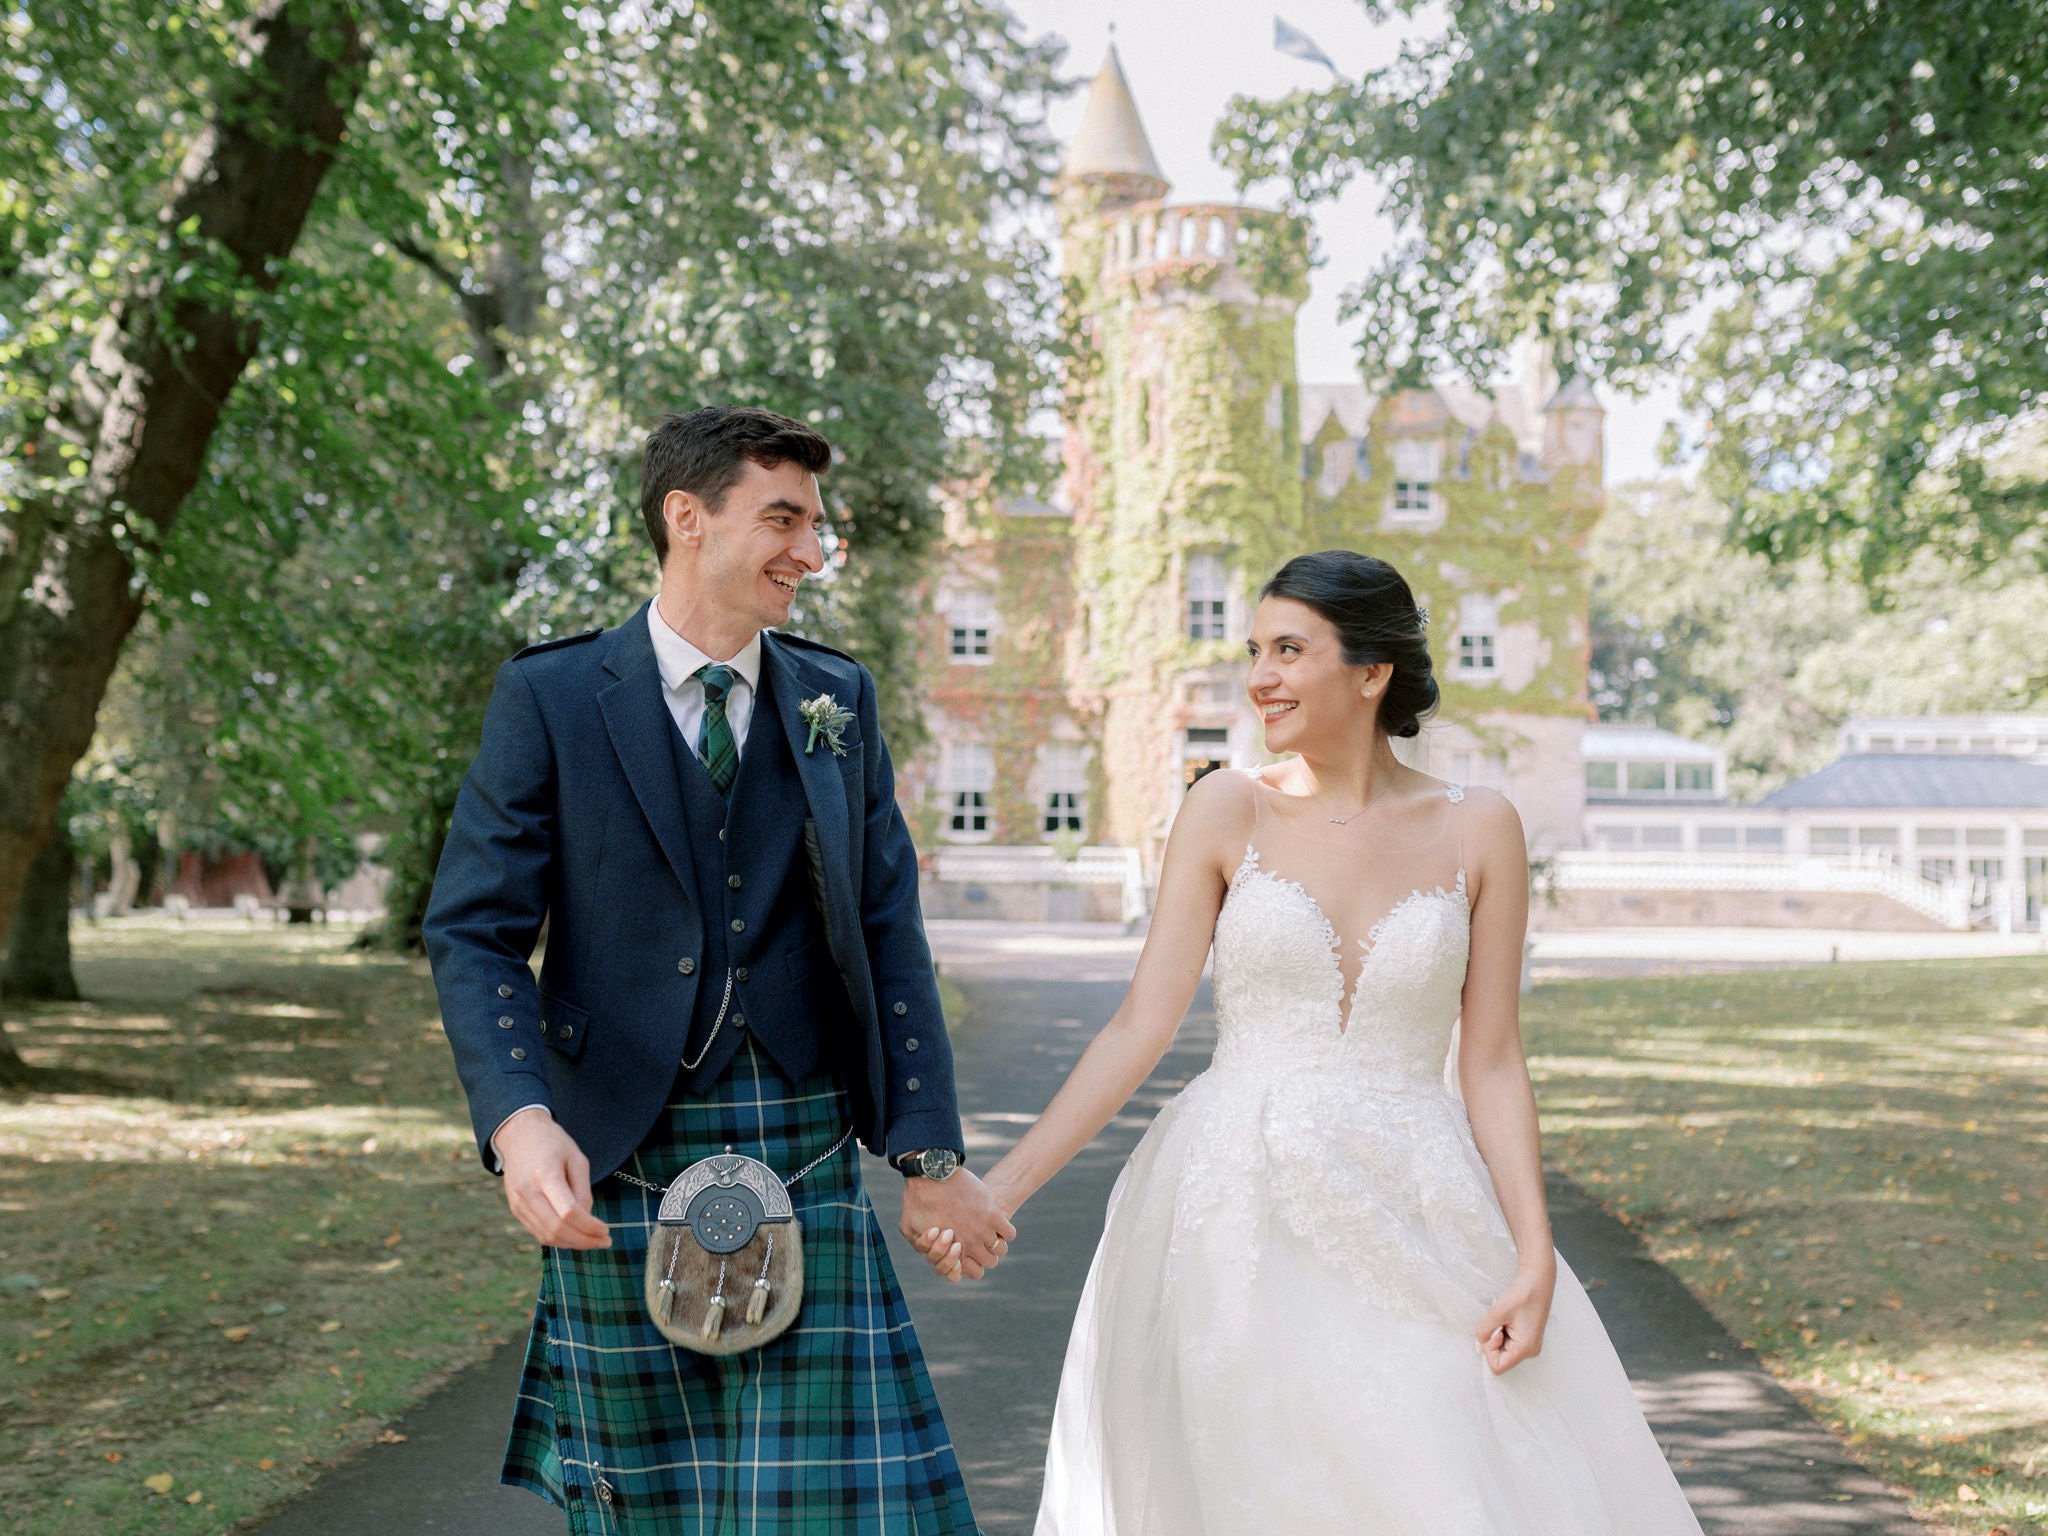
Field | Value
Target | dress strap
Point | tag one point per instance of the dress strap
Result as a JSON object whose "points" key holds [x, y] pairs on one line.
{"points": [[1455, 793]]}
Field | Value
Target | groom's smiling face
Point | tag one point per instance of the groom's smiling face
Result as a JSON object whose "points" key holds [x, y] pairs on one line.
{"points": [[755, 550]]}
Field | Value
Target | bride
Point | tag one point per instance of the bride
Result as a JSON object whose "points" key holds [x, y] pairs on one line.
{"points": [[1325, 1299]]}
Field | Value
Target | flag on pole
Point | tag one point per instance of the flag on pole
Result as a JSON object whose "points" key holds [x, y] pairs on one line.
{"points": [[1298, 44]]}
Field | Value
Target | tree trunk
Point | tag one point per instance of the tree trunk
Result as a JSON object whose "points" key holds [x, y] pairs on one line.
{"points": [[39, 944], [143, 410]]}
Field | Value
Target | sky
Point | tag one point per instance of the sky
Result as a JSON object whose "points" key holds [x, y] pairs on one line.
{"points": [[1185, 59]]}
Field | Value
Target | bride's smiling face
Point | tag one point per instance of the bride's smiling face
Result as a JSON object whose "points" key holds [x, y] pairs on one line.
{"points": [[1299, 682]]}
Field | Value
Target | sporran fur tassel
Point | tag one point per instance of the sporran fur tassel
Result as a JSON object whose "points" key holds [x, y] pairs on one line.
{"points": [[714, 1315], [757, 1304]]}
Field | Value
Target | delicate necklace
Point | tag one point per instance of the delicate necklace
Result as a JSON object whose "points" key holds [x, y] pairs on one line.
{"points": [[1345, 821]]}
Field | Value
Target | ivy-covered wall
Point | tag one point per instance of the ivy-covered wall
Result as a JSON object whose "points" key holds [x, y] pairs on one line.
{"points": [[1015, 702], [1181, 438]]}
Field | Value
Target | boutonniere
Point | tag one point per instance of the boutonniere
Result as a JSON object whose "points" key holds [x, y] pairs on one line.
{"points": [[827, 718]]}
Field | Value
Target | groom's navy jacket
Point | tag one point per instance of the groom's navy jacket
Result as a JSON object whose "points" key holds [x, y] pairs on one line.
{"points": [[578, 811]]}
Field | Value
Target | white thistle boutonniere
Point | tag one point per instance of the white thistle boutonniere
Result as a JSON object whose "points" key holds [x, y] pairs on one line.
{"points": [[827, 718]]}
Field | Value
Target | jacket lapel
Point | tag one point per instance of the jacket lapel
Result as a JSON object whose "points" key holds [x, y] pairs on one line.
{"points": [[824, 786], [642, 730]]}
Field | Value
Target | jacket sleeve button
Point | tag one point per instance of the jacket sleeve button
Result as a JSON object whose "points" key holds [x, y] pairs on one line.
{"points": [[519, 1053], [901, 1009], [504, 989]]}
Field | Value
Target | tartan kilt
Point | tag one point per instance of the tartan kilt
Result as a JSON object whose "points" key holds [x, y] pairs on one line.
{"points": [[832, 1428]]}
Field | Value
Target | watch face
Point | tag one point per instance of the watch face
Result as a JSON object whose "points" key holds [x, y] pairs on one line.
{"points": [[938, 1163]]}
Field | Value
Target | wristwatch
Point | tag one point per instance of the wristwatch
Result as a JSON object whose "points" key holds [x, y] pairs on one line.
{"points": [[938, 1163]]}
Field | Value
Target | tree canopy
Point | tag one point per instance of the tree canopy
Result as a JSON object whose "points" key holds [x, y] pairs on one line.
{"points": [[1833, 215]]}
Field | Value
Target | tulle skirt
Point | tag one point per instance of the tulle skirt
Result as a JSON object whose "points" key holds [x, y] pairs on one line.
{"points": [[1277, 1336]]}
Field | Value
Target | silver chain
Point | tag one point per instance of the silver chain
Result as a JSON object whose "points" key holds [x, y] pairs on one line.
{"points": [[690, 1066], [823, 1157]]}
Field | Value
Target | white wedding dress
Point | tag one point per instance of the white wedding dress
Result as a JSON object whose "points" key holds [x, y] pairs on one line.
{"points": [[1277, 1334]]}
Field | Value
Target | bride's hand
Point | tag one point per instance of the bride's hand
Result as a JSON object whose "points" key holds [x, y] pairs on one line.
{"points": [[942, 1251], [1512, 1330]]}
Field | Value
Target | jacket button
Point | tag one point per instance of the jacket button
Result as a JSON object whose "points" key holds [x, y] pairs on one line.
{"points": [[913, 1085], [739, 925], [740, 974], [519, 1053], [504, 989], [505, 1021], [686, 965], [721, 834], [733, 881], [910, 1044], [739, 1021], [901, 1009], [567, 1031]]}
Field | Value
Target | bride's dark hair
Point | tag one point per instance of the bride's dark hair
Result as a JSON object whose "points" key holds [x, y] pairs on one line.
{"points": [[1376, 620]]}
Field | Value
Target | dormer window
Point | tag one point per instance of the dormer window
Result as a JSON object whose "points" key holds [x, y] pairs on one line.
{"points": [[1418, 465]]}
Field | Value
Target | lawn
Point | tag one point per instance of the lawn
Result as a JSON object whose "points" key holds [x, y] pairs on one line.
{"points": [[218, 1283], [1849, 1166], [232, 1274], [269, 1241]]}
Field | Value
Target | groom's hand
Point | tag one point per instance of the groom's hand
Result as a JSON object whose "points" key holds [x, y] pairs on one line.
{"points": [[547, 1183], [963, 1207]]}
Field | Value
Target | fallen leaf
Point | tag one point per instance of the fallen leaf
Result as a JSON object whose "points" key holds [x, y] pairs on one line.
{"points": [[237, 1334], [330, 1326], [394, 1240], [159, 1482], [195, 1496], [54, 1292], [266, 1464], [1965, 1493], [391, 1437]]}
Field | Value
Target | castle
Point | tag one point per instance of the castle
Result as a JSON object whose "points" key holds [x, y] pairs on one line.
{"points": [[1085, 657]]}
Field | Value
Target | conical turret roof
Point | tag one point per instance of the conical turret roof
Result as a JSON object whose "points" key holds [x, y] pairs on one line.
{"points": [[1111, 140]]}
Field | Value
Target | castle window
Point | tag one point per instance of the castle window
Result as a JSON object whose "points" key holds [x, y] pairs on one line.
{"points": [[970, 777], [970, 626], [1478, 632], [1066, 782], [1418, 465], [1207, 578]]}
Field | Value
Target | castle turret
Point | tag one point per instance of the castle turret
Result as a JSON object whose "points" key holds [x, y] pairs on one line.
{"points": [[1183, 464], [1111, 159]]}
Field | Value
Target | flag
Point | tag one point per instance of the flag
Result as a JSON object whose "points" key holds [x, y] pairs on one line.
{"points": [[1297, 43]]}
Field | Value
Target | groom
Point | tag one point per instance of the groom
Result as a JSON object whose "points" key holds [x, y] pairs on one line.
{"points": [[734, 958]]}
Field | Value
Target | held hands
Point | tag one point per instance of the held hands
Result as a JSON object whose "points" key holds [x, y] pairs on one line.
{"points": [[957, 1224], [1512, 1329], [547, 1183]]}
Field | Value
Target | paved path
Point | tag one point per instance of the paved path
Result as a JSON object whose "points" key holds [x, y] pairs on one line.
{"points": [[1751, 1460]]}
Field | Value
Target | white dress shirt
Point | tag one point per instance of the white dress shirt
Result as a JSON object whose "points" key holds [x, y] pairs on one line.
{"points": [[683, 692]]}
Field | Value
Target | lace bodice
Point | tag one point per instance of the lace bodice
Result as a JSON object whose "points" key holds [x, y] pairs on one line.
{"points": [[1280, 985]]}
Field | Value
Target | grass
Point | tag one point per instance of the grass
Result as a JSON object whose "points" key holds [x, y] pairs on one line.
{"points": [[1849, 1166], [236, 1270], [233, 1274]]}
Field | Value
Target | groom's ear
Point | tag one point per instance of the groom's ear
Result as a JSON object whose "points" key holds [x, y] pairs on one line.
{"points": [[684, 515]]}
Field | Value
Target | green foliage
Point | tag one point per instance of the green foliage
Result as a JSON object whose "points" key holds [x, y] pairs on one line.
{"points": [[1854, 199], [546, 230], [1767, 661]]}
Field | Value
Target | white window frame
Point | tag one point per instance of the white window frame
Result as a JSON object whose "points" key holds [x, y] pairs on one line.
{"points": [[1065, 771], [970, 627], [1478, 635], [969, 779], [1418, 464], [1205, 581]]}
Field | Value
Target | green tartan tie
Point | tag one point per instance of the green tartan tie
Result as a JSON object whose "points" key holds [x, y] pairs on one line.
{"points": [[720, 753]]}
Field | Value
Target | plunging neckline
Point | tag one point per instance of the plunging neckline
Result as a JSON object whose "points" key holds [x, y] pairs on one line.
{"points": [[1347, 999]]}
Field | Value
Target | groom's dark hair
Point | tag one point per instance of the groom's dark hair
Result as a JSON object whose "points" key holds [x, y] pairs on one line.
{"points": [[704, 453]]}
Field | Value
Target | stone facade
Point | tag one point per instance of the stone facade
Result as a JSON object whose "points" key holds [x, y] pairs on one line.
{"points": [[1087, 656]]}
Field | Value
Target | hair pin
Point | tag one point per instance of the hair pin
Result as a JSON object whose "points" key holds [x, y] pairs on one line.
{"points": [[1422, 615]]}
